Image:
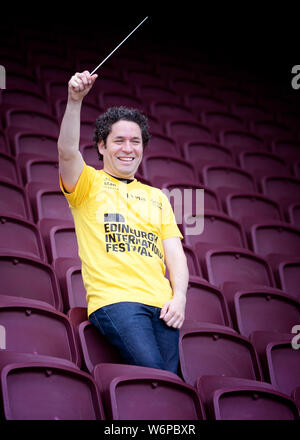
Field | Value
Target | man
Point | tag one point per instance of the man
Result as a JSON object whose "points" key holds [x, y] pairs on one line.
{"points": [[125, 231]]}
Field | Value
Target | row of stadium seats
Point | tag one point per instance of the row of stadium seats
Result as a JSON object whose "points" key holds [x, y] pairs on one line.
{"points": [[257, 377]]}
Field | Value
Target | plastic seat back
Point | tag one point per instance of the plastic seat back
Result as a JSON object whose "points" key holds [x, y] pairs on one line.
{"points": [[289, 277], [160, 144], [167, 168], [220, 176], [243, 205], [240, 140], [294, 214], [34, 327], [15, 98], [283, 366], [263, 164], [188, 196], [238, 265], [9, 169], [30, 120], [204, 101], [275, 238], [205, 303], [29, 278], [21, 237], [95, 347], [205, 153], [229, 398], [186, 131], [48, 202], [270, 130], [48, 391], [35, 144], [281, 188], [142, 393], [217, 228], [217, 350], [14, 201], [266, 310], [60, 239], [192, 261], [218, 121], [166, 111]]}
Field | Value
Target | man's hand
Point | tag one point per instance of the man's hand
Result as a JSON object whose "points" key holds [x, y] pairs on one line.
{"points": [[80, 84], [173, 311]]}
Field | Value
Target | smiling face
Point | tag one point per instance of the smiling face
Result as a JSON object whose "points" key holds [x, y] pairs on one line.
{"points": [[123, 151]]}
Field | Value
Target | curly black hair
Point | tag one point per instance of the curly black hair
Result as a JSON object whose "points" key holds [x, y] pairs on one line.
{"points": [[105, 121]]}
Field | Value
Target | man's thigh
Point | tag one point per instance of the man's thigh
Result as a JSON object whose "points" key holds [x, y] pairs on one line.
{"points": [[167, 339], [128, 326]]}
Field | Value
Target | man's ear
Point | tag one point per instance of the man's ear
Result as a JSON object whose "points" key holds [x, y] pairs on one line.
{"points": [[101, 147]]}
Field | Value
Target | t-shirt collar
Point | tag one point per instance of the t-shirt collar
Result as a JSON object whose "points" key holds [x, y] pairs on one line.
{"points": [[121, 179]]}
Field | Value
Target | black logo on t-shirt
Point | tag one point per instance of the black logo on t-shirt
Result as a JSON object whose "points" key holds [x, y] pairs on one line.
{"points": [[121, 237]]}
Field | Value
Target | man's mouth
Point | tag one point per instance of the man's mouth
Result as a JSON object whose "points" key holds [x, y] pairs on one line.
{"points": [[126, 159]]}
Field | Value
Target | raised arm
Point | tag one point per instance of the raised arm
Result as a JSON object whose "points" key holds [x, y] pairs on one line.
{"points": [[70, 159], [173, 311]]}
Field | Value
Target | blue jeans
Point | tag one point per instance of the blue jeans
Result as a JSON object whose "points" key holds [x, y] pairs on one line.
{"points": [[141, 337]]}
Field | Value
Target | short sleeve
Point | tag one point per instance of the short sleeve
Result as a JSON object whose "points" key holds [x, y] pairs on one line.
{"points": [[169, 225], [82, 189]]}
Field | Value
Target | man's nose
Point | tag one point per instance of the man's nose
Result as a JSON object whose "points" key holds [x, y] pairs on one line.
{"points": [[127, 147]]}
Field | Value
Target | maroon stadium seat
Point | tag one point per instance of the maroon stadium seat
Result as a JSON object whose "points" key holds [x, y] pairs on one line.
{"points": [[14, 201], [185, 131], [229, 398], [9, 169], [32, 326], [162, 168], [21, 237], [47, 390], [217, 228], [31, 142], [261, 164], [247, 207], [60, 239], [166, 111], [275, 238], [226, 264], [218, 121], [29, 278], [206, 153], [216, 350], [241, 140], [95, 347], [205, 303], [217, 177], [47, 202], [288, 275], [142, 393], [265, 309]]}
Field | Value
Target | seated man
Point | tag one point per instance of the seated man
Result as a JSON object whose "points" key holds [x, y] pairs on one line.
{"points": [[126, 231]]}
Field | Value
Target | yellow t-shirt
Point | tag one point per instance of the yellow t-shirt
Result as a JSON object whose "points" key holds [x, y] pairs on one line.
{"points": [[120, 227]]}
